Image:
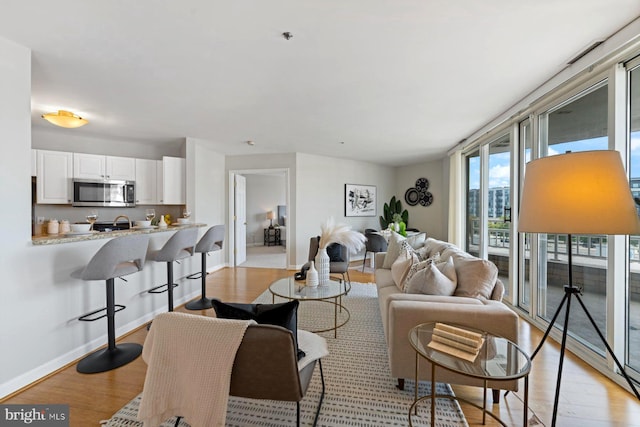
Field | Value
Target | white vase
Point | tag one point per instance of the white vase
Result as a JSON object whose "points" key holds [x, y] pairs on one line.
{"points": [[312, 276], [322, 265]]}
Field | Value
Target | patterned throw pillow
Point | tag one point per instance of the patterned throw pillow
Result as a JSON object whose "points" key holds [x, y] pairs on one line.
{"points": [[436, 279], [420, 253], [418, 266], [394, 248]]}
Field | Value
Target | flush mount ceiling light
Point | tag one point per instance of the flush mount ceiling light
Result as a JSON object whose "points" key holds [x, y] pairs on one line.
{"points": [[65, 119]]}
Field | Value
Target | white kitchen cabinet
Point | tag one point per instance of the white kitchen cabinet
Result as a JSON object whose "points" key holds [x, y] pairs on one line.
{"points": [[54, 171], [173, 181], [121, 168], [147, 182], [95, 166]]}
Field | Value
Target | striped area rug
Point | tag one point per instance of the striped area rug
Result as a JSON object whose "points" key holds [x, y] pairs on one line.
{"points": [[359, 388]]}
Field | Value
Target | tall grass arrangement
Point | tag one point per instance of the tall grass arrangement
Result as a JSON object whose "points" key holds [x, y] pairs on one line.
{"points": [[332, 232]]}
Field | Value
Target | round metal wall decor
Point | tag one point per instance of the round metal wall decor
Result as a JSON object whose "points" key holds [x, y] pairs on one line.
{"points": [[411, 196], [419, 194]]}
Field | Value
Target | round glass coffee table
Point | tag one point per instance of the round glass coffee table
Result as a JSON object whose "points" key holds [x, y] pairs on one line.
{"points": [[331, 293], [498, 360]]}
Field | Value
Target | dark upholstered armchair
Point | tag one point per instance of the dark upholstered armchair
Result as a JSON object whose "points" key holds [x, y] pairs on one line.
{"points": [[375, 243], [339, 255]]}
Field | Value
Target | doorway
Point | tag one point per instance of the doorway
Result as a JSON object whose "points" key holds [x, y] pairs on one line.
{"points": [[257, 199]]}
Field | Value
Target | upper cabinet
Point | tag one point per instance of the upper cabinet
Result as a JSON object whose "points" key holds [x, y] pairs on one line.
{"points": [[173, 181], [147, 182], [121, 168], [54, 174], [158, 182], [93, 166]]}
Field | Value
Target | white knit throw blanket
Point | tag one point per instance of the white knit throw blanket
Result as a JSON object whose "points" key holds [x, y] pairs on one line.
{"points": [[190, 360]]}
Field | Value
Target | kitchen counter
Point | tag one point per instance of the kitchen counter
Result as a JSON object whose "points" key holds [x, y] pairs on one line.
{"points": [[62, 238]]}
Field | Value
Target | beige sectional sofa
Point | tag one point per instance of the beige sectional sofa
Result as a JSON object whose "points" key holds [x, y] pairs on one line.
{"points": [[476, 302]]}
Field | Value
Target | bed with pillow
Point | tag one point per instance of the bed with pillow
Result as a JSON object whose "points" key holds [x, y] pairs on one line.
{"points": [[422, 280]]}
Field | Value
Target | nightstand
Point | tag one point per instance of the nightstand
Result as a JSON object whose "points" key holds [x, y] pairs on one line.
{"points": [[272, 237]]}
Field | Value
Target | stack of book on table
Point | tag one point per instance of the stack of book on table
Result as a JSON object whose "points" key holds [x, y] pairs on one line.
{"points": [[456, 341]]}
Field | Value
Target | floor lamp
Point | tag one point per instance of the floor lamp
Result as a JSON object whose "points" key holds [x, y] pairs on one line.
{"points": [[577, 193]]}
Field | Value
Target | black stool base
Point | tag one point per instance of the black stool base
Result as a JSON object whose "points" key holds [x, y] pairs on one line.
{"points": [[200, 304], [108, 359]]}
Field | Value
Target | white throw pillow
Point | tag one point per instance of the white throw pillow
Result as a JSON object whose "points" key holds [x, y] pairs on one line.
{"points": [[436, 279], [432, 246], [393, 249], [417, 241], [400, 268], [476, 277]]}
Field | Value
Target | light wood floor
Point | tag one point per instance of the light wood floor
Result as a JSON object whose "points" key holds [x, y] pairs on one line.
{"points": [[587, 398]]}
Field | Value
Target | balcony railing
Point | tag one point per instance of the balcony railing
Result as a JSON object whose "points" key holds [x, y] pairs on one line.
{"points": [[591, 246]]}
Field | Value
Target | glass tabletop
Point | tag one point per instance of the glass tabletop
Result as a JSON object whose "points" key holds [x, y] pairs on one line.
{"points": [[290, 288], [498, 358]]}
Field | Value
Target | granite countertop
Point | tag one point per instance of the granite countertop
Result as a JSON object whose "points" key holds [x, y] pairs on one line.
{"points": [[66, 238]]}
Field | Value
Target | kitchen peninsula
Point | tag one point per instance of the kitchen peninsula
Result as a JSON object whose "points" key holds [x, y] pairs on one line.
{"points": [[60, 299], [62, 238]]}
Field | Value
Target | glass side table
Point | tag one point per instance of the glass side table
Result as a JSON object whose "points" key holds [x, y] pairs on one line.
{"points": [[498, 360], [331, 293]]}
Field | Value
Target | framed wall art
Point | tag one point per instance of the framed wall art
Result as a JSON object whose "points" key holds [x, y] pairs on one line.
{"points": [[359, 200]]}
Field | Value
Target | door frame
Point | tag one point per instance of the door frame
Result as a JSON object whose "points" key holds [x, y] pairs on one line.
{"points": [[231, 206]]}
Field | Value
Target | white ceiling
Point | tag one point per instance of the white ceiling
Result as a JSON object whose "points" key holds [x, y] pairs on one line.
{"points": [[398, 81]]}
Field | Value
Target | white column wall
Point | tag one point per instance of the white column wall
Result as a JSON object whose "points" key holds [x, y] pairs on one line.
{"points": [[19, 319], [206, 196]]}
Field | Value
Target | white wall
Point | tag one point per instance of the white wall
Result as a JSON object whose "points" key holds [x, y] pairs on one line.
{"points": [[60, 139], [320, 194], [431, 219], [19, 321], [264, 193]]}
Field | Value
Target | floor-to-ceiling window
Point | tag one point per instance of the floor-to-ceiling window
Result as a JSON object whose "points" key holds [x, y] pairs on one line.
{"points": [[524, 246], [498, 222], [592, 112], [578, 124], [633, 281], [488, 193], [473, 204]]}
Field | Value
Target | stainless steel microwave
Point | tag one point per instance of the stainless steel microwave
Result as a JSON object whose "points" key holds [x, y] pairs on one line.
{"points": [[104, 193]]}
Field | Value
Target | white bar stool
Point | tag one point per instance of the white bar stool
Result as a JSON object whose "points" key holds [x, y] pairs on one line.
{"points": [[211, 241], [179, 246], [116, 258]]}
